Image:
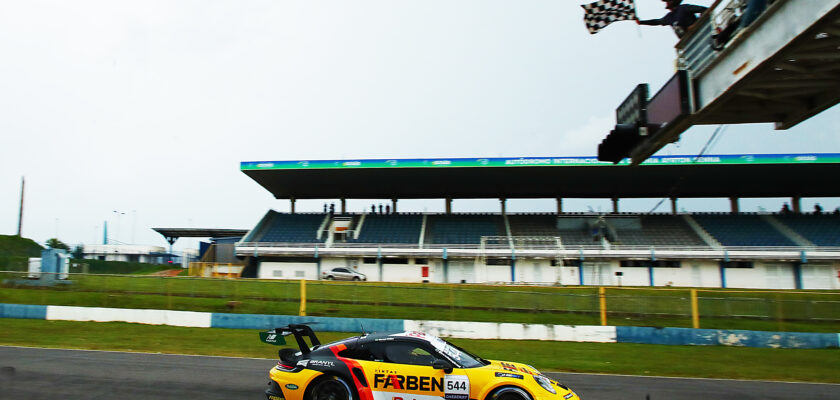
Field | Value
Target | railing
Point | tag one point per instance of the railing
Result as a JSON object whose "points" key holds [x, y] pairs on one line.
{"points": [[694, 51], [699, 48], [715, 308], [537, 246]]}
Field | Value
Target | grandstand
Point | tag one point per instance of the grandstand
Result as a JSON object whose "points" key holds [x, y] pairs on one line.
{"points": [[735, 249]]}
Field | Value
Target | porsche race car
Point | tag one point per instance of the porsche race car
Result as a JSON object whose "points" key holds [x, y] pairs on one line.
{"points": [[397, 366]]}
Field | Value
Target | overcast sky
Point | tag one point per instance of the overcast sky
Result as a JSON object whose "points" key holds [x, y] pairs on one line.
{"points": [[147, 107]]}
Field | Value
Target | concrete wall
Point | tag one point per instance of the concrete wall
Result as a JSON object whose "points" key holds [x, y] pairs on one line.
{"points": [[692, 273], [455, 329], [284, 270]]}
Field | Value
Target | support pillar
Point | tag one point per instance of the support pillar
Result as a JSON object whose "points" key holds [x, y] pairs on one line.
{"points": [[448, 205], [445, 267], [503, 202], [394, 206], [379, 264], [733, 205], [674, 205], [580, 271], [797, 275], [292, 204], [615, 205], [344, 206], [796, 203], [650, 275], [171, 241], [512, 267], [559, 205]]}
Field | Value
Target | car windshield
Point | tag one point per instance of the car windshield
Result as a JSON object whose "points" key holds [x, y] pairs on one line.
{"points": [[465, 358]]}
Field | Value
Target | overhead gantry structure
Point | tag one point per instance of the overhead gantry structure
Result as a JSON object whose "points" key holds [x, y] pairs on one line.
{"points": [[783, 68]]}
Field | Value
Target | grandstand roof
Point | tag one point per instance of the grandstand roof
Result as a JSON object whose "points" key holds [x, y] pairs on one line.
{"points": [[748, 175], [200, 232]]}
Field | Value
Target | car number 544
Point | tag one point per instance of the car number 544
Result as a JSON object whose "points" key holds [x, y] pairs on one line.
{"points": [[456, 387]]}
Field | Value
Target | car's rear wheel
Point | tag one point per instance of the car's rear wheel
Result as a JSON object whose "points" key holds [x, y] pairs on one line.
{"points": [[331, 388], [329, 277], [509, 393]]}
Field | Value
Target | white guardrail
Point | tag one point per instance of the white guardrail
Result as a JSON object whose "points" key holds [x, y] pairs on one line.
{"points": [[795, 253]]}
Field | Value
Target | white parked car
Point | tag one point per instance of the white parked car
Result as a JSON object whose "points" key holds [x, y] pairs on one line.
{"points": [[343, 274]]}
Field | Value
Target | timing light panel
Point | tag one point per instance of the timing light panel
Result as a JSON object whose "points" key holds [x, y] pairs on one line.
{"points": [[633, 110]]}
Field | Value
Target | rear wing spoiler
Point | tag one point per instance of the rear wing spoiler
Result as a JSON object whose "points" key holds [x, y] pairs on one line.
{"points": [[277, 336]]}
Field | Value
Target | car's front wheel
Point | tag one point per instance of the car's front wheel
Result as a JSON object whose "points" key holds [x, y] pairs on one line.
{"points": [[355, 278], [509, 393], [331, 388]]}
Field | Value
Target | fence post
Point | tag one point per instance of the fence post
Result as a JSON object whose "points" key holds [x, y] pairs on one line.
{"points": [[302, 297], [602, 297], [695, 314]]}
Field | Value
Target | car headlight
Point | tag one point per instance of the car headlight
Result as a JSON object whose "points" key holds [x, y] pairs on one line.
{"points": [[545, 383]]}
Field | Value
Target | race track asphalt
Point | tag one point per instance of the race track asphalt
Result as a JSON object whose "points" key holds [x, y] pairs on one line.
{"points": [[32, 373]]}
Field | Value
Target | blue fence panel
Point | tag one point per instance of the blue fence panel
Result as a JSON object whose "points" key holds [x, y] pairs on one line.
{"points": [[26, 311], [328, 324], [721, 337]]}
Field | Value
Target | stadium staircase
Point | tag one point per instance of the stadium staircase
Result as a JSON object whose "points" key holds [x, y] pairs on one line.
{"points": [[819, 229], [656, 230], [701, 233], [789, 233]]}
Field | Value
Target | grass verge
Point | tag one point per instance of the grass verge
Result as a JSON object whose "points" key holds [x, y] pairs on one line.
{"points": [[613, 358]]}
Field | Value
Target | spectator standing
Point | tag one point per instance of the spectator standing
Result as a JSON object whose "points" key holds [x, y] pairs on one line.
{"points": [[752, 11], [680, 16]]}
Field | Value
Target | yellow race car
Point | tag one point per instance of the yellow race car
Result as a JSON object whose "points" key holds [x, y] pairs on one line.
{"points": [[397, 366]]}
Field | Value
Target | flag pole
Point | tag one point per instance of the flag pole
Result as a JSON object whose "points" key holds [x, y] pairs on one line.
{"points": [[638, 27]]}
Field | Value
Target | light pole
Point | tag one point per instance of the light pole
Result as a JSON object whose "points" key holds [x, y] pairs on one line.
{"points": [[118, 213], [133, 226]]}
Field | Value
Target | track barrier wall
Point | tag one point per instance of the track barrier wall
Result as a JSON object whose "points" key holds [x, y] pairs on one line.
{"points": [[760, 310], [454, 329]]}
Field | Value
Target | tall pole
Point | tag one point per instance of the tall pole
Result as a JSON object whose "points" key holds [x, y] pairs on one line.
{"points": [[20, 214], [133, 226]]}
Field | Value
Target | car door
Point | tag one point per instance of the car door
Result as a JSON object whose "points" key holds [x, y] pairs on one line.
{"points": [[402, 370], [342, 273]]}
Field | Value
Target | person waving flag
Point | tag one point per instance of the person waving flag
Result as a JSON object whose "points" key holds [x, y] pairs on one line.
{"points": [[601, 13]]}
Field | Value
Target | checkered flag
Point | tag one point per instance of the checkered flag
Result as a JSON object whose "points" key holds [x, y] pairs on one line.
{"points": [[601, 13]]}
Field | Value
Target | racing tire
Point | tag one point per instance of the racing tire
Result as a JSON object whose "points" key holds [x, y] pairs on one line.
{"points": [[509, 393], [331, 388], [356, 278]]}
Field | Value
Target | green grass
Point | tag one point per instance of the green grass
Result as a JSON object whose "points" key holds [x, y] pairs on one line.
{"points": [[123, 267], [808, 311], [615, 358], [11, 245]]}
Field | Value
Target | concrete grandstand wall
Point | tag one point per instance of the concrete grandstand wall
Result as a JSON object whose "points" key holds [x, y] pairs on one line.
{"points": [[454, 329], [690, 273]]}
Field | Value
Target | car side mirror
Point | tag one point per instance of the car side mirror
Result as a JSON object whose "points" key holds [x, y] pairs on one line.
{"points": [[446, 366]]}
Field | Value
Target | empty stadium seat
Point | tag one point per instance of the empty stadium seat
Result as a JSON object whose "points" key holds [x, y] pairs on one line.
{"points": [[660, 230], [390, 228], [546, 225], [819, 229], [296, 228], [463, 228], [742, 230]]}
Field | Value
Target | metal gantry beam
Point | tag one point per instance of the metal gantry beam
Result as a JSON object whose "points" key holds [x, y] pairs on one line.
{"points": [[765, 74]]}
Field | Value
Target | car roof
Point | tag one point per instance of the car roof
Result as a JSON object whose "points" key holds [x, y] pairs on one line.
{"points": [[404, 335]]}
